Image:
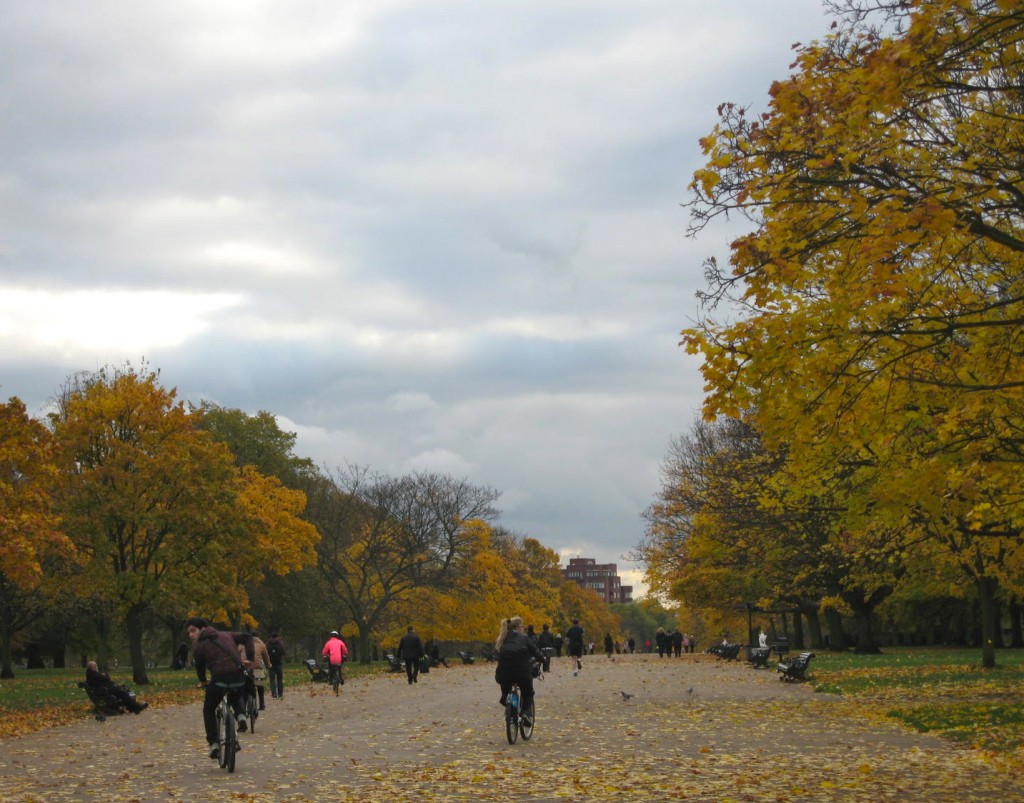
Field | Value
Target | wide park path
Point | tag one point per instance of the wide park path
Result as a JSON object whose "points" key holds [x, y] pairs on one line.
{"points": [[696, 728]]}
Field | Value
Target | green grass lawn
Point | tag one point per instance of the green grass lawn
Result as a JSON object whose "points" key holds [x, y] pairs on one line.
{"points": [[936, 690], [40, 698]]}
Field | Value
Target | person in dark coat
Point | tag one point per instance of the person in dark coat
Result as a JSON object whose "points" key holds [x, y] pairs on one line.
{"points": [[515, 653], [546, 642], [216, 651], [574, 636], [101, 681], [410, 650], [275, 646]]}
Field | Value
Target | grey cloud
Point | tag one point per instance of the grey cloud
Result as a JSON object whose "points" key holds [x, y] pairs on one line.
{"points": [[451, 230]]}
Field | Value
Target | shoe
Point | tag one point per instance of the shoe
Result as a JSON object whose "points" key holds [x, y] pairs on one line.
{"points": [[142, 707], [415, 680], [263, 708], [214, 750], [243, 723], [574, 674]]}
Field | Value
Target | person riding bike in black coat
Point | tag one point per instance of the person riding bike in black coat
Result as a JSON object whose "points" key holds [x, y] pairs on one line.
{"points": [[516, 652]]}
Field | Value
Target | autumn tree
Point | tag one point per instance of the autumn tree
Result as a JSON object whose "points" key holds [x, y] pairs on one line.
{"points": [[29, 526], [880, 293], [256, 440], [384, 537], [469, 607], [149, 501]]}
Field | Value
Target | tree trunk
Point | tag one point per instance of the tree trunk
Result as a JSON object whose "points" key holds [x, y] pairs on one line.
{"points": [[866, 642], [836, 632], [102, 643], [363, 639], [986, 600], [6, 638], [1016, 632], [997, 621], [810, 612], [798, 630], [135, 633]]}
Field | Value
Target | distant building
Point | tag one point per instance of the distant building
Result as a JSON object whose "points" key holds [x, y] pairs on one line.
{"points": [[600, 577]]}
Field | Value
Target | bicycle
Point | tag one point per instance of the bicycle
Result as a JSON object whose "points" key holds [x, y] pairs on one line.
{"points": [[336, 678], [227, 728], [517, 720], [252, 708]]}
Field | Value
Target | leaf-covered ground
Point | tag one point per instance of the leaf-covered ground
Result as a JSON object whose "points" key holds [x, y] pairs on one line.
{"points": [[695, 729]]}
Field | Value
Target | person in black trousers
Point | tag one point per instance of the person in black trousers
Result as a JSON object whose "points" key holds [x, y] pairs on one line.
{"points": [[95, 679], [275, 646], [410, 650]]}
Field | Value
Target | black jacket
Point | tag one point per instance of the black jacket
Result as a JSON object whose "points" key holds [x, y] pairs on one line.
{"points": [[517, 651]]}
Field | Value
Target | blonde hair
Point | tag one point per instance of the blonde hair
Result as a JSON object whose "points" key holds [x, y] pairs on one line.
{"points": [[506, 625]]}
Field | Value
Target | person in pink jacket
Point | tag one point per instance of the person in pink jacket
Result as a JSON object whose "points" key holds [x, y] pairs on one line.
{"points": [[336, 653]]}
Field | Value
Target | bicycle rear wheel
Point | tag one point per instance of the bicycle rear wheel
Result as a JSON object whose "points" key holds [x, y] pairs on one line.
{"points": [[512, 717], [230, 742], [526, 722]]}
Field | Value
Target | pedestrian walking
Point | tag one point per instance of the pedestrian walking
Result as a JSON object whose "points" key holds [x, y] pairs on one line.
{"points": [[410, 650]]}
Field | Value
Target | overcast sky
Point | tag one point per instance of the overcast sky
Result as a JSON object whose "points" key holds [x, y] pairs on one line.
{"points": [[439, 235]]}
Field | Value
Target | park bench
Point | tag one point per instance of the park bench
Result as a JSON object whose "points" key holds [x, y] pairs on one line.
{"points": [[727, 651], [467, 657], [104, 703], [758, 657], [490, 654], [795, 668], [394, 663]]}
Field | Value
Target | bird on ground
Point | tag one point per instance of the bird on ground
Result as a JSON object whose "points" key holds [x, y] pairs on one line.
{"points": [[690, 690], [625, 695]]}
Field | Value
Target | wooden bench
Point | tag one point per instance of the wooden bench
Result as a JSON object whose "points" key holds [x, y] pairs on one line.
{"points": [[104, 703], [795, 668]]}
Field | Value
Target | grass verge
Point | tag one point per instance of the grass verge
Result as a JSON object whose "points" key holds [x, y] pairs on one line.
{"points": [[937, 690], [43, 698]]}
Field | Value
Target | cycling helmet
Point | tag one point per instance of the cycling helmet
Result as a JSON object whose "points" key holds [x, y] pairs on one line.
{"points": [[335, 633]]}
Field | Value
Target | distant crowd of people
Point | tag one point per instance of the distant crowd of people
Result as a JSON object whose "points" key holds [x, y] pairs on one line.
{"points": [[234, 664]]}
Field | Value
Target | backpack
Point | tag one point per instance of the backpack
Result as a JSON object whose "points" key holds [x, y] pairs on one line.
{"points": [[275, 652]]}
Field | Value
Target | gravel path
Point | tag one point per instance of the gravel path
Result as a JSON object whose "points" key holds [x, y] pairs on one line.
{"points": [[696, 728]]}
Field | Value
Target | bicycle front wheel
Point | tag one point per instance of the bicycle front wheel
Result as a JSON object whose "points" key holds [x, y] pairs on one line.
{"points": [[252, 709], [221, 735], [526, 722]]}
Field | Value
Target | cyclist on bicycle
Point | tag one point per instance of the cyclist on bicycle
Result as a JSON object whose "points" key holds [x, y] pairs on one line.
{"points": [[516, 653], [217, 651], [336, 653]]}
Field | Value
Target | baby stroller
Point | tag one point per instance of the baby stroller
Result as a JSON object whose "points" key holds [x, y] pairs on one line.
{"points": [[317, 673]]}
